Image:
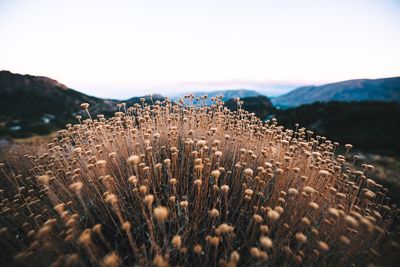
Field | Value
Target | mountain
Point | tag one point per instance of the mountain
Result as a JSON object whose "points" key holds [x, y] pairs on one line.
{"points": [[387, 89], [227, 94], [37, 105], [260, 105]]}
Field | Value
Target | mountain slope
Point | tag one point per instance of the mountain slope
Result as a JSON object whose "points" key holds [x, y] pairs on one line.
{"points": [[387, 89], [364, 124], [33, 104]]}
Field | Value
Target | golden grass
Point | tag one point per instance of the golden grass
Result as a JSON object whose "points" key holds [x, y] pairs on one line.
{"points": [[185, 184]]}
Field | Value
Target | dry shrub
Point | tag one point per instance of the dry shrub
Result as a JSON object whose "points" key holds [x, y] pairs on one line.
{"points": [[189, 184]]}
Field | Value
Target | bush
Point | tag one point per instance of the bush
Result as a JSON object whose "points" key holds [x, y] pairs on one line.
{"points": [[187, 185]]}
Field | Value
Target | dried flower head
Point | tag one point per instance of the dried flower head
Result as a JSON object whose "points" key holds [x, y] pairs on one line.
{"points": [[133, 160], [266, 242], [76, 187], [111, 260], [160, 213], [273, 215], [177, 241], [301, 238]]}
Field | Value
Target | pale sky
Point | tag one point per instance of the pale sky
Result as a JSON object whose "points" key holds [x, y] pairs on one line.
{"points": [[121, 49]]}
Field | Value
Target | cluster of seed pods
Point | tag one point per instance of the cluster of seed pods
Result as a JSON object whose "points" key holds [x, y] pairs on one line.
{"points": [[185, 183]]}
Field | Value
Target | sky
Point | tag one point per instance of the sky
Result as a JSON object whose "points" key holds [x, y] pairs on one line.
{"points": [[119, 49]]}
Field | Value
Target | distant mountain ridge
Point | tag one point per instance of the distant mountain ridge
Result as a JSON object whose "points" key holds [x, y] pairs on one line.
{"points": [[386, 89]]}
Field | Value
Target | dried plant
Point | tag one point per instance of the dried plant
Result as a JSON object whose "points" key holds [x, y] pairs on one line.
{"points": [[189, 184]]}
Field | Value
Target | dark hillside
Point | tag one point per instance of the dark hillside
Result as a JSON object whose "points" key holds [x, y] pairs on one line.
{"points": [[371, 126], [38, 105]]}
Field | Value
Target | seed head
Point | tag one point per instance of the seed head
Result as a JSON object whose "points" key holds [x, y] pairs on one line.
{"points": [[351, 220], [143, 189], [177, 241], [59, 208], [334, 212], [273, 215], [257, 218], [85, 238], [293, 191], [111, 260], [43, 179], [213, 240], [305, 221], [308, 189], [160, 213], [248, 192], [266, 242], [344, 240], [279, 209], [197, 249], [197, 182], [127, 226], [369, 194], [133, 160], [76, 187], [101, 164], [215, 174], [348, 146], [235, 256], [84, 105], [223, 229], [301, 238], [248, 172], [97, 228], [160, 261], [323, 246], [214, 213], [313, 205], [148, 199], [133, 180], [184, 204], [255, 252], [111, 199], [225, 188], [264, 229]]}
